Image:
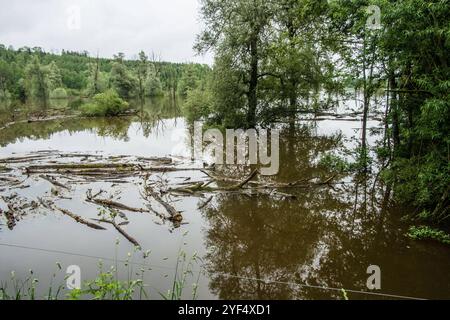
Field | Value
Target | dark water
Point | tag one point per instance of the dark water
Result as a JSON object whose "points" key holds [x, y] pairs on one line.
{"points": [[252, 247]]}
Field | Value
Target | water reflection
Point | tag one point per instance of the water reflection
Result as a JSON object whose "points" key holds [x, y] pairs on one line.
{"points": [[327, 236], [150, 118]]}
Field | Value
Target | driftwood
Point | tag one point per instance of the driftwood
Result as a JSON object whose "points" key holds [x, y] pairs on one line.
{"points": [[31, 120], [98, 169], [5, 169], [82, 166], [204, 187], [22, 159], [10, 217], [54, 182], [80, 219], [163, 160], [205, 203], [113, 204], [121, 231], [175, 216]]}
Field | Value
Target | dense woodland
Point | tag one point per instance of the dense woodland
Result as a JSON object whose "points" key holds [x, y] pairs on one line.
{"points": [[277, 59], [32, 73]]}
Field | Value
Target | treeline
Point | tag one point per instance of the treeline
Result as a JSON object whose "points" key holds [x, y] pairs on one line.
{"points": [[32, 73], [274, 59]]}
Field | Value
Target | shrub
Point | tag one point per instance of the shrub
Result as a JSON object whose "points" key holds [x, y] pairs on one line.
{"points": [[428, 233], [107, 104], [198, 104]]}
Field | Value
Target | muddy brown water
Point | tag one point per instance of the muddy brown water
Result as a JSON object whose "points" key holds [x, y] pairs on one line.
{"points": [[252, 246]]}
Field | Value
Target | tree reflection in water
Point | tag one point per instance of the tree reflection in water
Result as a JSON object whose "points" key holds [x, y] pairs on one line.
{"points": [[327, 237]]}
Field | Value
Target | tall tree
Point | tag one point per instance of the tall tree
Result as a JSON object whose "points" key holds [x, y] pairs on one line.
{"points": [[37, 81], [238, 29], [142, 73], [121, 78]]}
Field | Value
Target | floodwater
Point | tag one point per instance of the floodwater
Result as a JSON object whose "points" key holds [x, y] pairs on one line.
{"points": [[252, 246]]}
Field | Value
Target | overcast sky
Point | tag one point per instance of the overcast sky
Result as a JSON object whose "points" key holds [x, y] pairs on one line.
{"points": [[166, 27]]}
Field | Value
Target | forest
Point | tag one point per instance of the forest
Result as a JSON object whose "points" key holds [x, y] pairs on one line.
{"points": [[33, 74], [277, 59]]}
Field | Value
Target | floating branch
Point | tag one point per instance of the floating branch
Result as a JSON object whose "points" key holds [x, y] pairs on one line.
{"points": [[10, 217], [121, 231], [98, 169], [205, 203], [23, 159], [6, 126], [204, 187], [80, 219], [113, 204], [54, 182], [175, 216]]}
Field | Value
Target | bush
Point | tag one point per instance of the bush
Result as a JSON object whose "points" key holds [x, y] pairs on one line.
{"points": [[107, 104], [198, 104], [428, 233]]}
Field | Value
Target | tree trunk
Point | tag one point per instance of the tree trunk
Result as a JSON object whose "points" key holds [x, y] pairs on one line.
{"points": [[253, 85], [394, 110]]}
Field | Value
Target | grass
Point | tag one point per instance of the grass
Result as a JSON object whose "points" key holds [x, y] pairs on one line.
{"points": [[428, 233], [106, 286], [183, 269]]}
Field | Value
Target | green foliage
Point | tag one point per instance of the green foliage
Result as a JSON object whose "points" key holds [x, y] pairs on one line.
{"points": [[105, 104], [193, 77], [334, 163], [107, 286], [428, 233], [122, 80], [75, 104], [37, 82], [80, 74], [183, 270], [59, 93], [198, 104]]}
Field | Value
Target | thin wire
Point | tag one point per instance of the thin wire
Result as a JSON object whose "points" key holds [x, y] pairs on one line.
{"points": [[217, 273]]}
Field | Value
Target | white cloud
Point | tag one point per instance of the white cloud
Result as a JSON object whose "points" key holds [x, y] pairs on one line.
{"points": [[166, 27]]}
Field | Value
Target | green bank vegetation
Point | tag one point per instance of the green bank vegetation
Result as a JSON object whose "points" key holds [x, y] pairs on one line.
{"points": [[277, 59], [108, 285], [33, 74]]}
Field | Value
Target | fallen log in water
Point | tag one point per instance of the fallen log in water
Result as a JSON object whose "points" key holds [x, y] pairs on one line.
{"points": [[32, 120], [23, 159], [205, 203], [95, 169], [5, 169], [204, 187], [113, 204], [54, 182], [81, 166], [175, 216], [164, 160], [121, 231], [10, 216], [80, 219]]}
